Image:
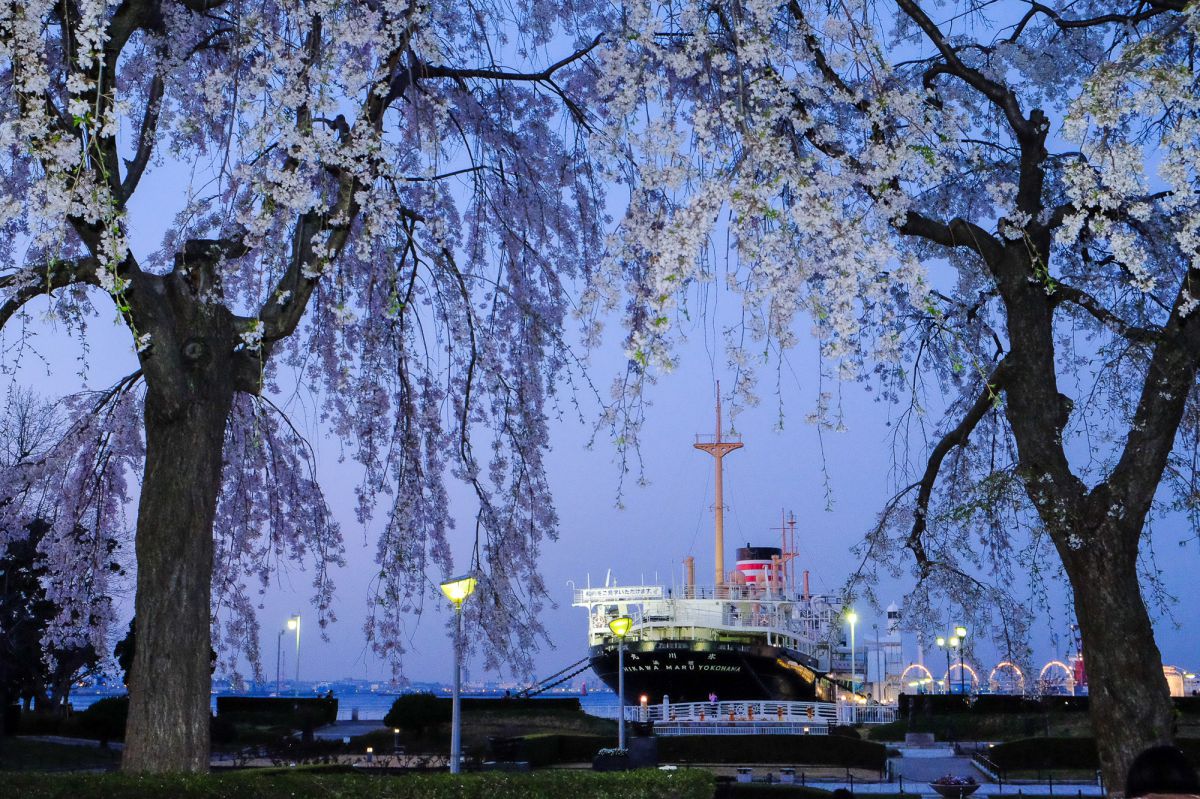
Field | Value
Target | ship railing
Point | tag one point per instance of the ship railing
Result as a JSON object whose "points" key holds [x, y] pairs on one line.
{"points": [[854, 713], [727, 616], [750, 593], [811, 714]]}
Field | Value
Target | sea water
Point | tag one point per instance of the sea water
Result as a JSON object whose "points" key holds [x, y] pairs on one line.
{"points": [[370, 706]]}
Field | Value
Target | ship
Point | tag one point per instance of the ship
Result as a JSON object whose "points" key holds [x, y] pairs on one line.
{"points": [[753, 635]]}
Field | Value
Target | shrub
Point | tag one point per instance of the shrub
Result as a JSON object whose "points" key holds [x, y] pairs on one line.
{"points": [[989, 704], [1066, 704], [36, 722], [12, 719], [1029, 754], [105, 719], [285, 784], [520, 706], [844, 731], [222, 730], [827, 750], [1188, 705], [415, 713], [295, 712], [932, 704]]}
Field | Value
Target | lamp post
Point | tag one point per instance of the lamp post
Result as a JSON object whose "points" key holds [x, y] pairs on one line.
{"points": [[941, 642], [960, 633], [279, 662], [294, 624], [852, 617], [620, 627], [457, 589]]}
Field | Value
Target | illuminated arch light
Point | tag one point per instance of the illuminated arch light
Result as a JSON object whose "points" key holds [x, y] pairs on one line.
{"points": [[918, 667], [1068, 680], [994, 684], [967, 668]]}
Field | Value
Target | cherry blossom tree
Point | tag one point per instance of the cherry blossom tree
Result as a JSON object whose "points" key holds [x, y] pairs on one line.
{"points": [[384, 204], [989, 210]]}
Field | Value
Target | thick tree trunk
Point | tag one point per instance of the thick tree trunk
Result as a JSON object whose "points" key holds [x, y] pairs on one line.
{"points": [[191, 377], [169, 696], [1130, 702]]}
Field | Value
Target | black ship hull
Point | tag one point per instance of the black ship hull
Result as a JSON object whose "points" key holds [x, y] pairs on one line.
{"points": [[691, 671]]}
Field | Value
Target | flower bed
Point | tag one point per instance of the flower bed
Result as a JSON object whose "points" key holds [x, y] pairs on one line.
{"points": [[954, 787]]}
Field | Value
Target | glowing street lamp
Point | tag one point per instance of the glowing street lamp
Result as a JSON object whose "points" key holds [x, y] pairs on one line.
{"points": [[956, 641], [620, 628], [852, 617], [457, 589], [293, 624], [941, 642]]}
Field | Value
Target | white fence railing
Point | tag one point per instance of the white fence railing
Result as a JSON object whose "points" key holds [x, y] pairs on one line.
{"points": [[811, 713], [739, 728], [849, 713], [801, 715]]}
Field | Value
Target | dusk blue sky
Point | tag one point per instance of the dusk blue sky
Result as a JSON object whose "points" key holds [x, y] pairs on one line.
{"points": [[658, 524]]}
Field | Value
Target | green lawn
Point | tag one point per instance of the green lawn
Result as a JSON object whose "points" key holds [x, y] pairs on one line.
{"points": [[20, 754], [290, 783]]}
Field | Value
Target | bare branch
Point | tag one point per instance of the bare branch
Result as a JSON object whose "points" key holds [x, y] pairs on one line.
{"points": [[955, 438], [1142, 335], [957, 232], [146, 138], [1000, 95], [38, 280], [1090, 22], [405, 78], [1170, 379]]}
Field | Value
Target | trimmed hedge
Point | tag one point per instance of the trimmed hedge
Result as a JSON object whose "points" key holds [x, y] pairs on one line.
{"points": [[520, 706], [422, 712], [1029, 754], [932, 704], [987, 704], [553, 748], [992, 704], [1004, 704], [295, 712], [823, 750], [286, 784], [1187, 705]]}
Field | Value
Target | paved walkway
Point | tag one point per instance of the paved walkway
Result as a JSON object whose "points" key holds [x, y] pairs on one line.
{"points": [[927, 769], [1063, 789], [116, 746]]}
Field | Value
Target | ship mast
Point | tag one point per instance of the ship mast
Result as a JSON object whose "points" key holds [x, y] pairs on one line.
{"points": [[718, 448]]}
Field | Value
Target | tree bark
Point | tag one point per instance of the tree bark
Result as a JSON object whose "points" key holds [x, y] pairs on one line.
{"points": [[169, 696], [190, 378], [1130, 701], [1130, 705]]}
